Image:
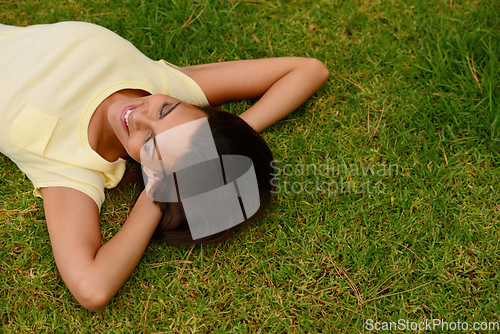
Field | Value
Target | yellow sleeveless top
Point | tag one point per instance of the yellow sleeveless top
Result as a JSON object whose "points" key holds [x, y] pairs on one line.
{"points": [[52, 78]]}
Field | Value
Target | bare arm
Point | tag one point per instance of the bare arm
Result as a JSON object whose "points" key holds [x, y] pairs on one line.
{"points": [[94, 272], [281, 84]]}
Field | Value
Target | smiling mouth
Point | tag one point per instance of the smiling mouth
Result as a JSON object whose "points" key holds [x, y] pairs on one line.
{"points": [[125, 117]]}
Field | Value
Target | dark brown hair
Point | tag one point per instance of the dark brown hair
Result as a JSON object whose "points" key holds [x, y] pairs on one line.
{"points": [[232, 135]]}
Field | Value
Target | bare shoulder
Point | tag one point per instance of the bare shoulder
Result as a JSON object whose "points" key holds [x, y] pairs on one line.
{"points": [[72, 220], [67, 201]]}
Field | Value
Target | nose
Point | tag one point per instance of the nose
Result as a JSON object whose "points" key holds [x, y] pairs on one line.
{"points": [[141, 118], [148, 112]]}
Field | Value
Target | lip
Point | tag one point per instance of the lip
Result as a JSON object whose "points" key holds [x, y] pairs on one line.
{"points": [[122, 117]]}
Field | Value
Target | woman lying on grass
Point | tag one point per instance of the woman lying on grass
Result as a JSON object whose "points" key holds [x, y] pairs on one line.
{"points": [[77, 99]]}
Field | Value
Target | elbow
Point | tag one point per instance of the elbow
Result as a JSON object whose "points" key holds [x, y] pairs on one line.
{"points": [[91, 298], [316, 70], [322, 71], [94, 304]]}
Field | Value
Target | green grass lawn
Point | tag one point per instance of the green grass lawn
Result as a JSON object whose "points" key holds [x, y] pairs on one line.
{"points": [[388, 204]]}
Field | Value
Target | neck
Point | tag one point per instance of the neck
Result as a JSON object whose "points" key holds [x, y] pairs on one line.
{"points": [[101, 136]]}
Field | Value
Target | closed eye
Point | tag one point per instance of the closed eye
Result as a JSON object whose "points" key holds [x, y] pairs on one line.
{"points": [[155, 148], [162, 114], [149, 137], [172, 108]]}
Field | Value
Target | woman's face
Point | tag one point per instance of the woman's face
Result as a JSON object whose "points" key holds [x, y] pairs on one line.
{"points": [[135, 120]]}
